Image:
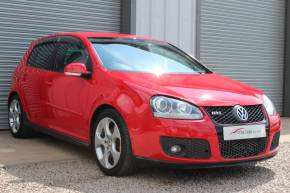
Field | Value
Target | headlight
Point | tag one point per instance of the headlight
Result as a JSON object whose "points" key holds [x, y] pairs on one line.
{"points": [[271, 110], [170, 108]]}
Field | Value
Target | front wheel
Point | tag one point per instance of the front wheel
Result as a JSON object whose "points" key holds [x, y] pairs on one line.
{"points": [[111, 144]]}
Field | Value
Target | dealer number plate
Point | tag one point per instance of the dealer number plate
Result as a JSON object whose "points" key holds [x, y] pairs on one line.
{"points": [[244, 132]]}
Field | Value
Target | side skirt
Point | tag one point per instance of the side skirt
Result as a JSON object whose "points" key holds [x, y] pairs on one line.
{"points": [[56, 134]]}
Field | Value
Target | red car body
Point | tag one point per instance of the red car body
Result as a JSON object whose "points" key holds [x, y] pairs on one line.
{"points": [[67, 104]]}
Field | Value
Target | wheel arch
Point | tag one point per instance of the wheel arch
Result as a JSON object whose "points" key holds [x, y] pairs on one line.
{"points": [[21, 98], [11, 94], [96, 113]]}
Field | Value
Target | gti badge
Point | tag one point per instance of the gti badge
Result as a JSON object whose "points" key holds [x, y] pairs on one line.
{"points": [[216, 113], [240, 113]]}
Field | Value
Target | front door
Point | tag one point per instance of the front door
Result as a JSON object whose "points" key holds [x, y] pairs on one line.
{"points": [[69, 94]]}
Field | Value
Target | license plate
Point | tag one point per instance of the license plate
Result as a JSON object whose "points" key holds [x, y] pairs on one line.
{"points": [[244, 132]]}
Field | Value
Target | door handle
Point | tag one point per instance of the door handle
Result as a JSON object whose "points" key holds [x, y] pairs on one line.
{"points": [[49, 82]]}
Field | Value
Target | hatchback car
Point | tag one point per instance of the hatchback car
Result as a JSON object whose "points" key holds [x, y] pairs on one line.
{"points": [[134, 99]]}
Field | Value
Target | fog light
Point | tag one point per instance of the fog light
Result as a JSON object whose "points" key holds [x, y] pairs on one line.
{"points": [[175, 149]]}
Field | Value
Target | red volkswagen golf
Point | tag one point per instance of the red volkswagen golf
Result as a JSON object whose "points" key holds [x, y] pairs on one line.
{"points": [[134, 99]]}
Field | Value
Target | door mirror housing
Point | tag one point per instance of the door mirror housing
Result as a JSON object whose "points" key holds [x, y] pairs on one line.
{"points": [[76, 69]]}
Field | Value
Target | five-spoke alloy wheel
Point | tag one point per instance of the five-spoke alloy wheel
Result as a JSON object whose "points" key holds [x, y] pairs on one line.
{"points": [[111, 144], [108, 143]]}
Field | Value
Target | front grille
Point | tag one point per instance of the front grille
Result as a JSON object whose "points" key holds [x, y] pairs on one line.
{"points": [[242, 148], [191, 148], [275, 141], [225, 115]]}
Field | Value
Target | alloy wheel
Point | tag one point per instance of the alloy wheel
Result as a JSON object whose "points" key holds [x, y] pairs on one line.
{"points": [[108, 143], [14, 115]]}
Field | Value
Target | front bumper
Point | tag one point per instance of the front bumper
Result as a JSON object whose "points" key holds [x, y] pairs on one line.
{"points": [[146, 141]]}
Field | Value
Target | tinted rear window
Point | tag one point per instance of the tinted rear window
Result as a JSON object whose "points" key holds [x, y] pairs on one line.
{"points": [[42, 56]]}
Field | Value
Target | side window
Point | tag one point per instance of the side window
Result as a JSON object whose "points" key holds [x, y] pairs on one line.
{"points": [[71, 50], [42, 55]]}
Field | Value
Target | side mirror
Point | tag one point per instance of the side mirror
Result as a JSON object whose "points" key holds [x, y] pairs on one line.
{"points": [[76, 69]]}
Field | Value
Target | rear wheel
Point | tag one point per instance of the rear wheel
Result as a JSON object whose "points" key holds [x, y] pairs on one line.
{"points": [[111, 144], [16, 119]]}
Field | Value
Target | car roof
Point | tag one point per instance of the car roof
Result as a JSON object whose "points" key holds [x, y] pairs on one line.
{"points": [[98, 35]]}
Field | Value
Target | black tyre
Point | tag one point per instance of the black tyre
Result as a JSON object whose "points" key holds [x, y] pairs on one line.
{"points": [[16, 117], [111, 144]]}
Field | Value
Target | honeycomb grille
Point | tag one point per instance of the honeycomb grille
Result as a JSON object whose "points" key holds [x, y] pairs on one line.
{"points": [[191, 148], [225, 115], [275, 141], [242, 148]]}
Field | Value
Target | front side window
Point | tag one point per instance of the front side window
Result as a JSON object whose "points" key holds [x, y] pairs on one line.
{"points": [[144, 56], [42, 55], [70, 50]]}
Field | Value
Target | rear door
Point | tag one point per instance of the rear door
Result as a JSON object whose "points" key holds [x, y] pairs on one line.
{"points": [[40, 65], [68, 100]]}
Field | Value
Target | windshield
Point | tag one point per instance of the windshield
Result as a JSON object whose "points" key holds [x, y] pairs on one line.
{"points": [[137, 55]]}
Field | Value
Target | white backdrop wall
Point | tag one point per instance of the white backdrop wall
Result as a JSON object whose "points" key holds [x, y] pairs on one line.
{"points": [[170, 20]]}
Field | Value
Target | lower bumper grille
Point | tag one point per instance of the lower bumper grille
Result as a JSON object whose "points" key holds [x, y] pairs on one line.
{"points": [[275, 141], [190, 148], [242, 148]]}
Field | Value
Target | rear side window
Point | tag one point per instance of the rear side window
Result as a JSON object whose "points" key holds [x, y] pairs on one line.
{"points": [[42, 55], [71, 50]]}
